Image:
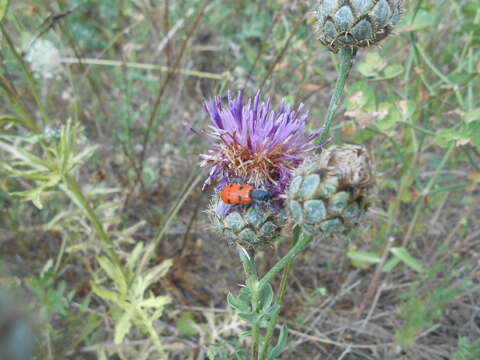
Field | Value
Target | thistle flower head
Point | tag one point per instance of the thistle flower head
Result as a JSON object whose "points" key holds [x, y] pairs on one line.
{"points": [[260, 146]]}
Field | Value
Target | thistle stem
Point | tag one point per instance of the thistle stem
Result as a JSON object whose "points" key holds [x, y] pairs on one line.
{"points": [[346, 55], [281, 295], [248, 262], [303, 241]]}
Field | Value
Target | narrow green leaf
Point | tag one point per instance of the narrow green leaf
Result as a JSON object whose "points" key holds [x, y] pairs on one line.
{"points": [[390, 264], [114, 273], [123, 326], [134, 256], [407, 259], [103, 293], [360, 257], [157, 272], [155, 302], [461, 78], [3, 8], [5, 119], [282, 341]]}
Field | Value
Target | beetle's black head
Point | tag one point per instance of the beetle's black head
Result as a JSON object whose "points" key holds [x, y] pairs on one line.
{"points": [[261, 195]]}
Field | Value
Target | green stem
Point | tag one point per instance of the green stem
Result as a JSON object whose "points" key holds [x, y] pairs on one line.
{"points": [[28, 76], [346, 56], [303, 241], [281, 295], [82, 202], [251, 277]]}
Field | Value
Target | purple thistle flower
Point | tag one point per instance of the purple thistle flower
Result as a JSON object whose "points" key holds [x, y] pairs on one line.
{"points": [[253, 143]]}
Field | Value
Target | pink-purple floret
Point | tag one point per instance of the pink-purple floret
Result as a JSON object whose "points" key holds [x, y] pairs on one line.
{"points": [[256, 127]]}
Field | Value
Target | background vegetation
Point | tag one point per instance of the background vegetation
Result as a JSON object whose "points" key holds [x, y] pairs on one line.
{"points": [[103, 230]]}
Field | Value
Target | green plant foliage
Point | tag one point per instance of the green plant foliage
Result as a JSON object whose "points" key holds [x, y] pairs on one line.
{"points": [[467, 350], [420, 311], [3, 8], [187, 325], [130, 301], [60, 157]]}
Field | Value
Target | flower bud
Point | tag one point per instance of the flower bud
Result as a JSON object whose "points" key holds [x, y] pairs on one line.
{"points": [[356, 23], [331, 192], [249, 225]]}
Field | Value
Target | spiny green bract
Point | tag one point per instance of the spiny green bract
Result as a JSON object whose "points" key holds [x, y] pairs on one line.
{"points": [[331, 192], [356, 23], [250, 225]]}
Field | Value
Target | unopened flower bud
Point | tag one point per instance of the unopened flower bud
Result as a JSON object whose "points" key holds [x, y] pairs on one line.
{"points": [[249, 225], [331, 192], [356, 23]]}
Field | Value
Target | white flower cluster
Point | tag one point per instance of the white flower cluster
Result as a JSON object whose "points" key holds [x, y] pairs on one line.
{"points": [[44, 59]]}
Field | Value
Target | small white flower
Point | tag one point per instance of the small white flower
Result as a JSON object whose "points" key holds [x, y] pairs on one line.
{"points": [[44, 59]]}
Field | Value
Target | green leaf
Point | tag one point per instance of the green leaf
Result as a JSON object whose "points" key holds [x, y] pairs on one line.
{"points": [[360, 258], [392, 71], [273, 310], [3, 8], [361, 96], [469, 133], [237, 303], [103, 293], [157, 272], [250, 317], [282, 341], [461, 78], [114, 273], [390, 264], [471, 116], [212, 354], [6, 119], [155, 302], [33, 195], [388, 116], [123, 326], [372, 66], [472, 132], [134, 256], [185, 324], [266, 296], [402, 254], [422, 20], [444, 137]]}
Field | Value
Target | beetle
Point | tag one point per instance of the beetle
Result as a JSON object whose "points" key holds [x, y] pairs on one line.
{"points": [[243, 194]]}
